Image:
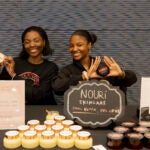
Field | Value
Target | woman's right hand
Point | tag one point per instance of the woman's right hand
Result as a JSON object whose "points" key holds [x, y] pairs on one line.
{"points": [[2, 58], [92, 72], [9, 64]]}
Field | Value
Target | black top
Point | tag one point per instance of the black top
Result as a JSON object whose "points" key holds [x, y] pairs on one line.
{"points": [[37, 78], [72, 74]]}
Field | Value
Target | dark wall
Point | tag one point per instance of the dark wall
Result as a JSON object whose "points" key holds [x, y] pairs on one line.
{"points": [[122, 27]]}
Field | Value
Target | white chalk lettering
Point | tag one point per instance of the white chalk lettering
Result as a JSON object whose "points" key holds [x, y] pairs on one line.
{"points": [[92, 102], [93, 94]]}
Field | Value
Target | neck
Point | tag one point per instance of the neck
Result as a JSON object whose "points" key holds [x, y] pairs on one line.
{"points": [[35, 60], [86, 63]]}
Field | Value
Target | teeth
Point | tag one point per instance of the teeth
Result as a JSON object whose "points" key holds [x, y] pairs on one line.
{"points": [[76, 52], [33, 50]]}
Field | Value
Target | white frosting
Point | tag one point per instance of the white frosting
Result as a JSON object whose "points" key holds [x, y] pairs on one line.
{"points": [[135, 135], [33, 122], [23, 127], [65, 133], [59, 117], [75, 127], [67, 122], [49, 122], [11, 133], [114, 135], [141, 129], [128, 123], [144, 123], [83, 133], [30, 133], [40, 127], [121, 129], [57, 127], [48, 133]]}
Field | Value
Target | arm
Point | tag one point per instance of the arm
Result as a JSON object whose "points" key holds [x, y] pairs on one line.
{"points": [[9, 65], [116, 75], [8, 70], [92, 72], [44, 76], [4, 75], [127, 80], [120, 77], [67, 77]]}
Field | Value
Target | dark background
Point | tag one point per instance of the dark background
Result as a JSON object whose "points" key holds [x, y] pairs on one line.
{"points": [[122, 27]]}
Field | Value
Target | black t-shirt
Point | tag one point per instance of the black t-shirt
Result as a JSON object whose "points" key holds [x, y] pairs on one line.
{"points": [[38, 77]]}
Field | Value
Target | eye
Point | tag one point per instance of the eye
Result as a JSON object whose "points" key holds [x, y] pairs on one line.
{"points": [[26, 42], [37, 40], [79, 45], [71, 45]]}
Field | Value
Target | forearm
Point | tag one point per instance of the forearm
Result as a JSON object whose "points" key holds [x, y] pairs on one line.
{"points": [[126, 80], [4, 75], [129, 77], [61, 83]]}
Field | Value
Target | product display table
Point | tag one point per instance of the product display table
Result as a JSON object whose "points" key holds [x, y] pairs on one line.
{"points": [[98, 134]]}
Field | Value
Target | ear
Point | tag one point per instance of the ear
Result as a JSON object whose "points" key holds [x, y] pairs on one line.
{"points": [[89, 45]]}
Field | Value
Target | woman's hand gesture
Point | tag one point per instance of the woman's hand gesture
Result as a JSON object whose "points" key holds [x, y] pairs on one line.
{"points": [[92, 71], [9, 64], [115, 69]]}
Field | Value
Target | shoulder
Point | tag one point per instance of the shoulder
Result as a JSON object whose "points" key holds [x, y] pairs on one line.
{"points": [[130, 75], [70, 68], [50, 63], [19, 60], [130, 72]]}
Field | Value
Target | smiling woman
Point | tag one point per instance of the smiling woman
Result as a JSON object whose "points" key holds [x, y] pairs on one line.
{"points": [[32, 67], [86, 67]]}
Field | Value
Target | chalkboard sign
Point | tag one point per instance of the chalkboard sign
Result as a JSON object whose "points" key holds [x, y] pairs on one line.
{"points": [[94, 103]]}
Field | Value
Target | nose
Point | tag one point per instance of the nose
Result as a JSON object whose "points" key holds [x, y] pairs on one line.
{"points": [[74, 48], [32, 43]]}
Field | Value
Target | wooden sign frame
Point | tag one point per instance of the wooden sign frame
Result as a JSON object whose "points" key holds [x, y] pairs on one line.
{"points": [[94, 103]]}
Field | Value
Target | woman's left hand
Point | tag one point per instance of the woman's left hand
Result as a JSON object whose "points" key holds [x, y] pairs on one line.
{"points": [[114, 68]]}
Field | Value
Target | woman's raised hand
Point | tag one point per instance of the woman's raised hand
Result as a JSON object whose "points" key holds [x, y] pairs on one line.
{"points": [[9, 64], [92, 72], [115, 69]]}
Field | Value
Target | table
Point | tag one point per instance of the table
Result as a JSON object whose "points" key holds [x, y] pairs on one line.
{"points": [[98, 134]]}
